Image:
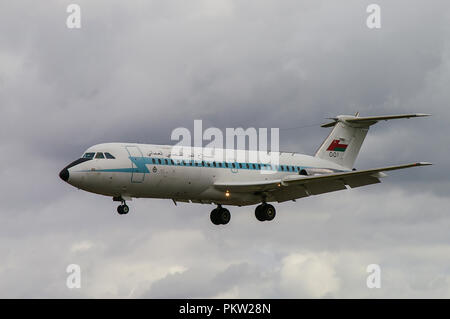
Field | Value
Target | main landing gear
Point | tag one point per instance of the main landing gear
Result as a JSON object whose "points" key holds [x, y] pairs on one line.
{"points": [[220, 216], [265, 212], [123, 209]]}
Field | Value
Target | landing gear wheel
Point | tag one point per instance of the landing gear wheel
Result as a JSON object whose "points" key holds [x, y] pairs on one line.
{"points": [[269, 212], [224, 216], [220, 216], [265, 212], [123, 209], [215, 216], [259, 213]]}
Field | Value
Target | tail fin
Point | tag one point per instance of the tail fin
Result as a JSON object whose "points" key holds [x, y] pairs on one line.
{"points": [[344, 142]]}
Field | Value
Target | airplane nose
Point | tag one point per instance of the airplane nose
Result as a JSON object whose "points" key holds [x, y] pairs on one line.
{"points": [[64, 174]]}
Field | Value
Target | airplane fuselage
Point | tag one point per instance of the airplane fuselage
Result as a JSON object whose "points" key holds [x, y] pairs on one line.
{"points": [[151, 171]]}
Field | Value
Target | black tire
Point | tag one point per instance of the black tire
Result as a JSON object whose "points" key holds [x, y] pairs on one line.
{"points": [[224, 216], [125, 209], [269, 212], [259, 213], [215, 216], [120, 210]]}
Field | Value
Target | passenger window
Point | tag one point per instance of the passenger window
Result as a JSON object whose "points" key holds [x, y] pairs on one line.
{"points": [[165, 162], [99, 155], [89, 155], [159, 161], [232, 164], [226, 164], [109, 156]]}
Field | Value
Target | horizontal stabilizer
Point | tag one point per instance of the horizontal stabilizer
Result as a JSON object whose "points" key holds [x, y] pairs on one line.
{"points": [[370, 120]]}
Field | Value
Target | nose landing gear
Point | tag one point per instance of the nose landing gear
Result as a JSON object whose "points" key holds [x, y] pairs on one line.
{"points": [[123, 209]]}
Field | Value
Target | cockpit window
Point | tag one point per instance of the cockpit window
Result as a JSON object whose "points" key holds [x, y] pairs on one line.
{"points": [[108, 155], [89, 155], [99, 155]]}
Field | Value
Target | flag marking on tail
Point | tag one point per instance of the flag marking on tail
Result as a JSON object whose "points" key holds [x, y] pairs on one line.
{"points": [[335, 146]]}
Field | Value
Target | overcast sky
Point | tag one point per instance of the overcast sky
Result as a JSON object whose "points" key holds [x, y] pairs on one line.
{"points": [[138, 69]]}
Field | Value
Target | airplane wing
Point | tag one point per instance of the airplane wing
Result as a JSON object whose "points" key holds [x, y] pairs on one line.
{"points": [[297, 186]]}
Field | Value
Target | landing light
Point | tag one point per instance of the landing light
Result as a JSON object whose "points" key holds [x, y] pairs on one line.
{"points": [[227, 194]]}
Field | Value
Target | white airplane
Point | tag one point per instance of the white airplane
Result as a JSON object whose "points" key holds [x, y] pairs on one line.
{"points": [[126, 170]]}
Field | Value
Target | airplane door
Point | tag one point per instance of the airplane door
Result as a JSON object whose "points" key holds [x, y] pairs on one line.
{"points": [[136, 154]]}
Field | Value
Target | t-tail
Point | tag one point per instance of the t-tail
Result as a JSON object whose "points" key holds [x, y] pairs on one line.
{"points": [[345, 140]]}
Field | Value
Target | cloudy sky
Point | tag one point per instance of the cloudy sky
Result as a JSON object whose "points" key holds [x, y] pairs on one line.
{"points": [[138, 69]]}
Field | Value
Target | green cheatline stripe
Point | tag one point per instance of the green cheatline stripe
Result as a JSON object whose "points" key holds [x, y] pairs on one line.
{"points": [[339, 149]]}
